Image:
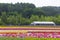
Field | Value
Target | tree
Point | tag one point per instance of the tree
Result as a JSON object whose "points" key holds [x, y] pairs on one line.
{"points": [[38, 11], [4, 17], [34, 18]]}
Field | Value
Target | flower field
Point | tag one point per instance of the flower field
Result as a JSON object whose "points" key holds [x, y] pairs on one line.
{"points": [[31, 32], [33, 35]]}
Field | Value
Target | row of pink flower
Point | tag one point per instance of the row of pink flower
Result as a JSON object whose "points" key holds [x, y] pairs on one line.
{"points": [[38, 35]]}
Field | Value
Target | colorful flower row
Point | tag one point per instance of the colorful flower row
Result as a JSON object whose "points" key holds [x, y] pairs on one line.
{"points": [[37, 35]]}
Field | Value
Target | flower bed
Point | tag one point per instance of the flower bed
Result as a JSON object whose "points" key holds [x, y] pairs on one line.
{"points": [[35, 35]]}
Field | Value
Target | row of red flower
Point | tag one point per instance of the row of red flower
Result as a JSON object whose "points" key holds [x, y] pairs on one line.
{"points": [[38, 35]]}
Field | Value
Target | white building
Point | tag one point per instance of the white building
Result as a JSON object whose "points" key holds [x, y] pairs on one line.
{"points": [[42, 23]]}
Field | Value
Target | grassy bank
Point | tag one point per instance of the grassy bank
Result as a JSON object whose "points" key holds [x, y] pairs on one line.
{"points": [[7, 38], [27, 26]]}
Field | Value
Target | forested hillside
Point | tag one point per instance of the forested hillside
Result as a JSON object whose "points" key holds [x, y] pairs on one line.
{"points": [[25, 13], [51, 11]]}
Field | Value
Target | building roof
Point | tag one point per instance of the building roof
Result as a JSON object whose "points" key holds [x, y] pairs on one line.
{"points": [[43, 22]]}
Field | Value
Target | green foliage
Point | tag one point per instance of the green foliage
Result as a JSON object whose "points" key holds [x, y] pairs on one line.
{"points": [[4, 18], [51, 10], [34, 18], [25, 13]]}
